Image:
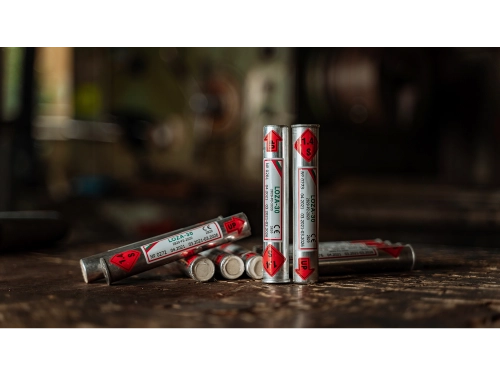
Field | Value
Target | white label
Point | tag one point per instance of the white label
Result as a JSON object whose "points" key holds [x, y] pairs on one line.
{"points": [[345, 250], [183, 241], [307, 208], [273, 199]]}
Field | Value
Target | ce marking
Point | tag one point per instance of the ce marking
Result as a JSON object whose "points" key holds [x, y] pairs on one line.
{"points": [[276, 229], [206, 228]]}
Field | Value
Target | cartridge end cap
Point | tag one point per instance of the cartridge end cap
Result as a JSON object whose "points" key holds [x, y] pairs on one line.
{"points": [[105, 270], [232, 268], [413, 257], [84, 271], [254, 267], [204, 270]]}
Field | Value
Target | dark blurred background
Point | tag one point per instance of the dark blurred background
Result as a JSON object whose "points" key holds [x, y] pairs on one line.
{"points": [[127, 143]]}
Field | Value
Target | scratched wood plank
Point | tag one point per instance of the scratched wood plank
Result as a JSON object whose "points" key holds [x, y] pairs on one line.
{"points": [[450, 287]]}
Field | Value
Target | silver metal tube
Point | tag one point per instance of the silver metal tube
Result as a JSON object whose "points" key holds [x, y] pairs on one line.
{"points": [[91, 266], [252, 260], [367, 256], [276, 148], [305, 180], [173, 246], [351, 257], [227, 265], [197, 267]]}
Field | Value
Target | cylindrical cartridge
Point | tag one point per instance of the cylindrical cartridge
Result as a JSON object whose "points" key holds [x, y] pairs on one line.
{"points": [[91, 266], [197, 267], [227, 265], [276, 149], [305, 203], [367, 256], [173, 246], [252, 260], [351, 257]]}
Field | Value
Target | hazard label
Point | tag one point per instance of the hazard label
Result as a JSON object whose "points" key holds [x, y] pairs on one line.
{"points": [[304, 269], [392, 250], [234, 225], [273, 199], [181, 242], [307, 145], [307, 208], [126, 260], [272, 139], [272, 260]]}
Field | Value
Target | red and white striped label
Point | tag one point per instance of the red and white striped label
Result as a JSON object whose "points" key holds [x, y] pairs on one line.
{"points": [[273, 199], [307, 208], [181, 242]]}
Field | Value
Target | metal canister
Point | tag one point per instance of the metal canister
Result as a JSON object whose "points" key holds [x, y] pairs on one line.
{"points": [[252, 260], [173, 246], [197, 267], [351, 257], [91, 266], [227, 266], [305, 202], [276, 149], [364, 256]]}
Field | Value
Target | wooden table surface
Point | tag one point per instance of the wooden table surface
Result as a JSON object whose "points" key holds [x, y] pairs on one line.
{"points": [[450, 286]]}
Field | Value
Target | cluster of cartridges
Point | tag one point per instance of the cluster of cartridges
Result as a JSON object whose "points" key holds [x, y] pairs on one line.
{"points": [[306, 257], [277, 152], [182, 246], [207, 249]]}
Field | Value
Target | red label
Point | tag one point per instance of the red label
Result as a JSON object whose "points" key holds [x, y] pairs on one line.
{"points": [[191, 259], [126, 260], [219, 259], [304, 270], [307, 145], [272, 260], [272, 138], [249, 255], [235, 224], [391, 250]]}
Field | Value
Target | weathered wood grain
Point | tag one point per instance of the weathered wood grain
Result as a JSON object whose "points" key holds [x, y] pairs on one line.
{"points": [[450, 287]]}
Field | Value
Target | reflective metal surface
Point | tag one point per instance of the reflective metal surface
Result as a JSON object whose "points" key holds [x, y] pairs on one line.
{"points": [[305, 179], [172, 248], [276, 166]]}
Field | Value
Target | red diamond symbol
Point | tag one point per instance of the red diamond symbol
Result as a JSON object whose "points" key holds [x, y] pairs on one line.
{"points": [[307, 145], [392, 250], [272, 260], [126, 260]]}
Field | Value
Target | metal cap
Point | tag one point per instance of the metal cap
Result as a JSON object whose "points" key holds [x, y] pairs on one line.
{"points": [[232, 267], [305, 125], [413, 257], [254, 267], [91, 269], [105, 270], [84, 271], [203, 269]]}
